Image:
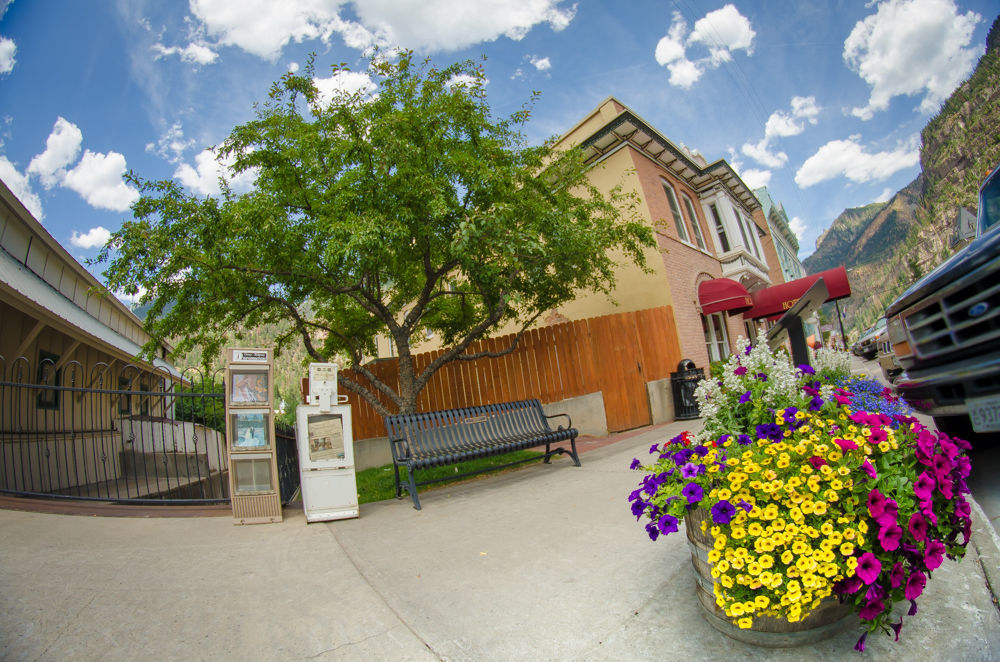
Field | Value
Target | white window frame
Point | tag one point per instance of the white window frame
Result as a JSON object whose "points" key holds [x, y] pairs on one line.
{"points": [[716, 336], [675, 209], [695, 227]]}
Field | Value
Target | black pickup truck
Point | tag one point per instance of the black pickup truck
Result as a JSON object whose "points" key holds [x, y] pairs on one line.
{"points": [[945, 332]]}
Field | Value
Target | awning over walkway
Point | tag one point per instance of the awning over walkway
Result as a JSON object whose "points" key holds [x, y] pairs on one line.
{"points": [[777, 299], [723, 294]]}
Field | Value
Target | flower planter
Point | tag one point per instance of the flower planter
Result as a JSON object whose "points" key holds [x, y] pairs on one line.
{"points": [[823, 622]]}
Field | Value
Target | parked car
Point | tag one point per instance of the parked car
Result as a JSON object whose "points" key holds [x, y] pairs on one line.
{"points": [[856, 347], [868, 343], [945, 331], [891, 367]]}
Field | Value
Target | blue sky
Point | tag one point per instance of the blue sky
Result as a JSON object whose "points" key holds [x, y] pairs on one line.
{"points": [[823, 102]]}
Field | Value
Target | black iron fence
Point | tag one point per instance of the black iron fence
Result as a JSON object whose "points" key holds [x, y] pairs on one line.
{"points": [[119, 432]]}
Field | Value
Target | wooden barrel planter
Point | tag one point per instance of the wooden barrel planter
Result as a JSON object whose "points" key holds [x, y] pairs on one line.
{"points": [[823, 622]]}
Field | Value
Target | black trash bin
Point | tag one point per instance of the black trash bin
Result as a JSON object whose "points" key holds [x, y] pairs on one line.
{"points": [[683, 383]]}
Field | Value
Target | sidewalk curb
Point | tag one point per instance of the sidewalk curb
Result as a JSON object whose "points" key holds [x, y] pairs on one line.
{"points": [[986, 542]]}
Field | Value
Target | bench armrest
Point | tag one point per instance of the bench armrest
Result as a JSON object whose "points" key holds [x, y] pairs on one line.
{"points": [[400, 449], [569, 421]]}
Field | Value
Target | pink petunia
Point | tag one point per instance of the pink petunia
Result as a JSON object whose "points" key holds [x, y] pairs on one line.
{"points": [[889, 537], [867, 467], [918, 527], [889, 515], [739, 372], [876, 503], [868, 568], [915, 585], [924, 486], [846, 444], [816, 461], [934, 554], [871, 610], [896, 575]]}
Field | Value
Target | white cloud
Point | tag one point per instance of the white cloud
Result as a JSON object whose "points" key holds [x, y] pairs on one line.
{"points": [[722, 31], [885, 195], [684, 73], [293, 67], [203, 178], [848, 158], [912, 47], [465, 80], [761, 153], [451, 25], [171, 145], [782, 124], [131, 299], [541, 63], [20, 186], [756, 178], [194, 53], [98, 180], [62, 147], [798, 227], [264, 27], [342, 84], [8, 49], [95, 238]]}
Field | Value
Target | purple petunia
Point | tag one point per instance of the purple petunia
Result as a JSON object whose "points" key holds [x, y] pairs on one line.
{"points": [[722, 512], [693, 492], [806, 369], [744, 440], [635, 464], [760, 376], [745, 398], [667, 524], [689, 471], [871, 610]]}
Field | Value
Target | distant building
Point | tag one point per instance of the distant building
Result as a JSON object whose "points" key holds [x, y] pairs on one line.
{"points": [[786, 243]]}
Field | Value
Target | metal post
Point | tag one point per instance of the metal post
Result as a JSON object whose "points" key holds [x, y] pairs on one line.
{"points": [[840, 320]]}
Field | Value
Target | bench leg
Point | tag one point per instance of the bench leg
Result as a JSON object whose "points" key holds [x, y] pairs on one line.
{"points": [[412, 487], [399, 487], [548, 453], [576, 458]]}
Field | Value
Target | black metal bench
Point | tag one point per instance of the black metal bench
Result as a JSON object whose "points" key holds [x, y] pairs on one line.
{"points": [[439, 438]]}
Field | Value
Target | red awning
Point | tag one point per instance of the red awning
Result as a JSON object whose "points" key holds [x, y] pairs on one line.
{"points": [[777, 299], [723, 294]]}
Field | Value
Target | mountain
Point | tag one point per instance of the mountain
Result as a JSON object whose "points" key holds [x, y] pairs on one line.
{"points": [[887, 246]]}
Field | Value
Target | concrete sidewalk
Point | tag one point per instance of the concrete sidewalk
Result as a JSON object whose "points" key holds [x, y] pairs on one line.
{"points": [[545, 563]]}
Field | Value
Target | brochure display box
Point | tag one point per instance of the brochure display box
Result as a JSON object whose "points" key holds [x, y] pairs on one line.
{"points": [[253, 464]]}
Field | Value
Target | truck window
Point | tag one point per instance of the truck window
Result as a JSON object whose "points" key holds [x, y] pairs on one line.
{"points": [[989, 205]]}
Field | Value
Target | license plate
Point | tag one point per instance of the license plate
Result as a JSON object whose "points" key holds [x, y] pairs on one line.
{"points": [[985, 413]]}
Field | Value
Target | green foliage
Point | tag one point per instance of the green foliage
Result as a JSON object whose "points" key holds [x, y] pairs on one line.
{"points": [[402, 212], [210, 412]]}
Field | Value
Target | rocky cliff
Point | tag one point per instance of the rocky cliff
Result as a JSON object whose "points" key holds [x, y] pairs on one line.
{"points": [[889, 245]]}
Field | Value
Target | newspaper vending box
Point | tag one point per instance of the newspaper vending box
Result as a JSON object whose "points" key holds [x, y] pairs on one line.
{"points": [[326, 449]]}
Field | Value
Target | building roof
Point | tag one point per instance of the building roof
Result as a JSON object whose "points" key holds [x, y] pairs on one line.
{"points": [[37, 293], [628, 127]]}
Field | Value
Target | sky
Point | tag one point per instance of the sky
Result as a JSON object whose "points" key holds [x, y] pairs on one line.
{"points": [[820, 101]]}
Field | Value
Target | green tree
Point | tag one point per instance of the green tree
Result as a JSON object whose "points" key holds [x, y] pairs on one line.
{"points": [[398, 212]]}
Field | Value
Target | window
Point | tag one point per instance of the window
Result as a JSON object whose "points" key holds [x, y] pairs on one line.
{"points": [[125, 397], [716, 336], [695, 227], [675, 210], [720, 229], [48, 398], [743, 232]]}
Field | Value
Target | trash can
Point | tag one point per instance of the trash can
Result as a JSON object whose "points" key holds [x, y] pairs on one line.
{"points": [[683, 383]]}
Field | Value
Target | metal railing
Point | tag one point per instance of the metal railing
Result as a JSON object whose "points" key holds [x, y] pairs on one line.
{"points": [[118, 432]]}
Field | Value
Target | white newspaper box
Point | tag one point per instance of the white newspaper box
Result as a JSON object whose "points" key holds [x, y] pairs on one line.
{"points": [[326, 450]]}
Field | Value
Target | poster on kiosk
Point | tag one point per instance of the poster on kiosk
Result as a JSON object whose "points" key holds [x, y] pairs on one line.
{"points": [[326, 449]]}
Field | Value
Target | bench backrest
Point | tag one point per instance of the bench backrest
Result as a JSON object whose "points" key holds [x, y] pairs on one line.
{"points": [[440, 430]]}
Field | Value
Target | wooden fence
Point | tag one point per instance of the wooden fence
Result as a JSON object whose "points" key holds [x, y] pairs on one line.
{"points": [[614, 354]]}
